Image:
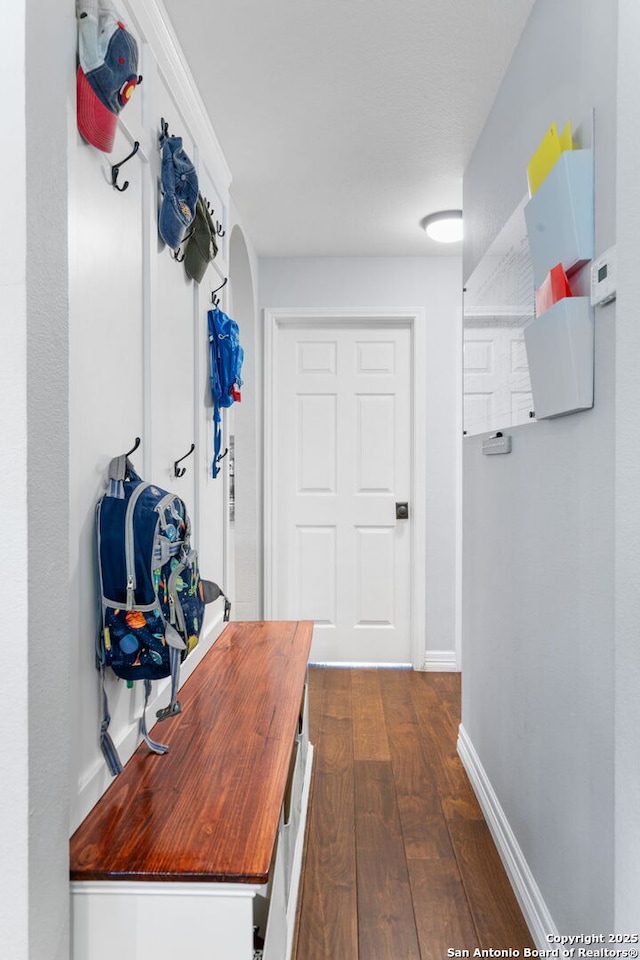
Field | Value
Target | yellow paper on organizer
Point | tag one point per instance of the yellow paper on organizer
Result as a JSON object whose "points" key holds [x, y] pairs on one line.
{"points": [[547, 155], [566, 137]]}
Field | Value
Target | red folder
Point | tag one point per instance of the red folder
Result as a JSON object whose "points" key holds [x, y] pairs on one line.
{"points": [[555, 287]]}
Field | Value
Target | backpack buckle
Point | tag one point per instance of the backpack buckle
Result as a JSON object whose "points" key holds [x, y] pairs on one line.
{"points": [[170, 711]]}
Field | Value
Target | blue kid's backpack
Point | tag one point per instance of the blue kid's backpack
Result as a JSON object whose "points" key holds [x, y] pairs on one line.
{"points": [[152, 597], [226, 356]]}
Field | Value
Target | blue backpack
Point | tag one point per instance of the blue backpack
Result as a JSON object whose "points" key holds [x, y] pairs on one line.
{"points": [[152, 597], [226, 356]]}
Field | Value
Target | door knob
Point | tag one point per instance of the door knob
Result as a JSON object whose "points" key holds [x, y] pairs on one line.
{"points": [[402, 511]]}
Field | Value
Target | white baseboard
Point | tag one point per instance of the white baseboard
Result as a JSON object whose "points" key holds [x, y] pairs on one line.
{"points": [[439, 661], [362, 664], [529, 897]]}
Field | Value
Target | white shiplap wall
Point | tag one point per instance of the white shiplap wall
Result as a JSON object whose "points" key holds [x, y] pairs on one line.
{"points": [[138, 364]]}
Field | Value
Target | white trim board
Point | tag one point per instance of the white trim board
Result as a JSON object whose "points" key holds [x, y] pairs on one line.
{"points": [[274, 320], [298, 855], [534, 909], [359, 665], [440, 661], [153, 25]]}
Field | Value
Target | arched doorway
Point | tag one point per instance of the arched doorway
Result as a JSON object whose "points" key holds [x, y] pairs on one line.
{"points": [[247, 432]]}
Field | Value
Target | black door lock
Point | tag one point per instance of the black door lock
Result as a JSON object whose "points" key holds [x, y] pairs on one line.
{"points": [[402, 511]]}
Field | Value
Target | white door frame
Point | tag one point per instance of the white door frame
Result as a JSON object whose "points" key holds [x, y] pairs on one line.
{"points": [[274, 320]]}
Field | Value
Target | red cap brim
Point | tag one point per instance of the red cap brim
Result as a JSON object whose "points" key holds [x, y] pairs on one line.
{"points": [[96, 123]]}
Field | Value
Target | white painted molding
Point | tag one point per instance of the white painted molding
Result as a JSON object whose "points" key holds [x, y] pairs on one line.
{"points": [[459, 427], [168, 888], [154, 25], [270, 520], [359, 664], [274, 319], [298, 854], [528, 893], [440, 661]]}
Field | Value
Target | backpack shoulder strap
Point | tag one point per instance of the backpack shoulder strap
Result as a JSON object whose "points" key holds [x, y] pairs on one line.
{"points": [[120, 469], [109, 752], [214, 374]]}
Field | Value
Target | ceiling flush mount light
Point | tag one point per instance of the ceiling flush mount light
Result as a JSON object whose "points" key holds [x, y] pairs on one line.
{"points": [[444, 226]]}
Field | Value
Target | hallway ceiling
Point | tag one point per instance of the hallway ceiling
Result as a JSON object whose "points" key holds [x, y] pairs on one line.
{"points": [[345, 122]]}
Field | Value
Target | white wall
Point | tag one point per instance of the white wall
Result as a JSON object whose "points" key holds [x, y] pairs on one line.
{"points": [[538, 581], [48, 474], [14, 559], [138, 366], [434, 285], [34, 716], [627, 515], [102, 339]]}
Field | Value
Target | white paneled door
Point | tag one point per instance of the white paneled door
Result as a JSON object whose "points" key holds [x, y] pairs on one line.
{"points": [[342, 470]]}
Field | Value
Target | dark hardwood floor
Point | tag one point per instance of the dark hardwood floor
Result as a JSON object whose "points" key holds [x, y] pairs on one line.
{"points": [[399, 862]]}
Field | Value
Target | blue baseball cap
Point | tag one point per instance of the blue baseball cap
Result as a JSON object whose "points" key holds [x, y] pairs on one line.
{"points": [[107, 72], [180, 191]]}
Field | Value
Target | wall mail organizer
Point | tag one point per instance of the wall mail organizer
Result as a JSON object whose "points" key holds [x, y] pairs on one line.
{"points": [[559, 216], [559, 347]]}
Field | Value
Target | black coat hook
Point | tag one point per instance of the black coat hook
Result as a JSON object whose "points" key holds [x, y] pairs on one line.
{"points": [[220, 232], [133, 448], [115, 169], [164, 127], [216, 300], [176, 253], [128, 466], [180, 471]]}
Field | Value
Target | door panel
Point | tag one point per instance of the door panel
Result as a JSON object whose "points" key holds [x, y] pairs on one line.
{"points": [[342, 429], [315, 572], [375, 420], [316, 459], [375, 563], [497, 391]]}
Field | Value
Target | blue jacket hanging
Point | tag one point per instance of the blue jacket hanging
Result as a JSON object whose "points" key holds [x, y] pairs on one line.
{"points": [[226, 356]]}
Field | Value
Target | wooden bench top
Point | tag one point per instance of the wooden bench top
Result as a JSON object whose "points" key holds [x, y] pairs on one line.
{"points": [[209, 809]]}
